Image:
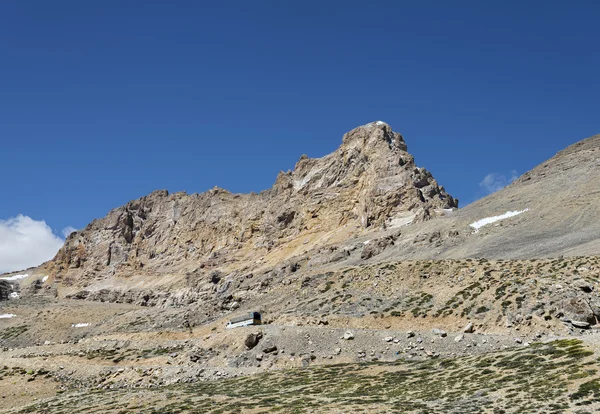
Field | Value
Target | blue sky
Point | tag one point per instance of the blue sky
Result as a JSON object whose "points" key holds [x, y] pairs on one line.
{"points": [[103, 102]]}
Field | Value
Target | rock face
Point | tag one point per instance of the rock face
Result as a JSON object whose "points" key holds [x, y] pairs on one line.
{"points": [[5, 290], [370, 181]]}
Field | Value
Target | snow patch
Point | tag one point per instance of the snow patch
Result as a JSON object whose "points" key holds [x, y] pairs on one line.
{"points": [[44, 279], [14, 295], [14, 277], [7, 315], [489, 220], [371, 124], [79, 325]]}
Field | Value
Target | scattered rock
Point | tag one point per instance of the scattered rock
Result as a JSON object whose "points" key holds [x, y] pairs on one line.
{"points": [[583, 285], [459, 338], [580, 324], [253, 339], [577, 308], [348, 335], [468, 328], [440, 332], [269, 348]]}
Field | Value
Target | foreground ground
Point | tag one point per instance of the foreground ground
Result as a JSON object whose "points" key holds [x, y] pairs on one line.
{"points": [[373, 338], [560, 376]]}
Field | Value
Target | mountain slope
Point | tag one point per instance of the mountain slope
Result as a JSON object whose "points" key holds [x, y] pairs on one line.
{"points": [[366, 202], [369, 182], [562, 201], [324, 256]]}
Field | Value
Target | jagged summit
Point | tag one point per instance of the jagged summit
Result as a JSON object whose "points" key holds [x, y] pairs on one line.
{"points": [[369, 181], [374, 134]]}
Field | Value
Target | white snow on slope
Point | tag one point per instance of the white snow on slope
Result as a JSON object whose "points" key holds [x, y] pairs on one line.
{"points": [[489, 220], [14, 277], [44, 279], [7, 315], [14, 295], [79, 325]]}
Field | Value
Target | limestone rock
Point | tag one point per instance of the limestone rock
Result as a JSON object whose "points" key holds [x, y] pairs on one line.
{"points": [[370, 181]]}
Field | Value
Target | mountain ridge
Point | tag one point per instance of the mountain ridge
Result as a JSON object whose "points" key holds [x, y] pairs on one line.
{"points": [[366, 202], [369, 181], [355, 258]]}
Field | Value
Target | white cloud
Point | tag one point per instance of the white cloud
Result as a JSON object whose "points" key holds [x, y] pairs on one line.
{"points": [[25, 242], [68, 230], [494, 182]]}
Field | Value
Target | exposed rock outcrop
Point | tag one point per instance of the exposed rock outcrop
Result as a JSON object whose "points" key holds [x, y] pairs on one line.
{"points": [[5, 290], [370, 181]]}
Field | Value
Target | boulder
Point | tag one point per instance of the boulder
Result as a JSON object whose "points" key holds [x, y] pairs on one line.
{"points": [[348, 335], [253, 339], [269, 347], [580, 324], [583, 285], [578, 309], [469, 328], [5, 290], [440, 332]]}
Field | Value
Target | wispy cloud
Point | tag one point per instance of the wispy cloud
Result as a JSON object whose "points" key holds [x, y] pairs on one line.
{"points": [[25, 242], [494, 181]]}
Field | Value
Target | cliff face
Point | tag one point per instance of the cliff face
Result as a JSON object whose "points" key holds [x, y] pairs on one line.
{"points": [[371, 181]]}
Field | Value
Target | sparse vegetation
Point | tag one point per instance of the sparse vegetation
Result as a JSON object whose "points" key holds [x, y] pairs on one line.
{"points": [[530, 378]]}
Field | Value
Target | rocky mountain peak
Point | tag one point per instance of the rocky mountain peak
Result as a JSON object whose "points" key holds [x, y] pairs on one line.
{"points": [[369, 182], [373, 136]]}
